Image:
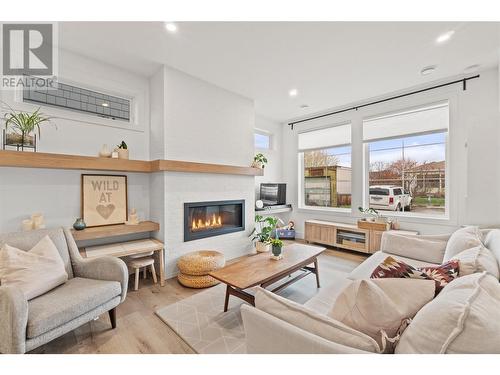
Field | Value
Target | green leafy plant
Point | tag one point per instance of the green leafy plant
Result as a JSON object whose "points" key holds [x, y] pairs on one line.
{"points": [[369, 211], [122, 145], [260, 158], [264, 227], [275, 242], [22, 123]]}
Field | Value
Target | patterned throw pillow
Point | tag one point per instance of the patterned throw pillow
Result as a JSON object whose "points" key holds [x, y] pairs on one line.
{"points": [[393, 268]]}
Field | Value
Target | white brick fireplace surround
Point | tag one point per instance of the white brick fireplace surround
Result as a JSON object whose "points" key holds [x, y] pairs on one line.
{"points": [[196, 121]]}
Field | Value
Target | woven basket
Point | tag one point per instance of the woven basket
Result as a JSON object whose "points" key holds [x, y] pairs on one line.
{"points": [[200, 263], [197, 282]]}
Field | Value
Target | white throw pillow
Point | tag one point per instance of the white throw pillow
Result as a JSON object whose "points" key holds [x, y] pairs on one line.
{"points": [[477, 259], [382, 307], [310, 321], [463, 318], [462, 239], [36, 271]]}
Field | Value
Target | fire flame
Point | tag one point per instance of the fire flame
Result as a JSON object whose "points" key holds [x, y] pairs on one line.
{"points": [[214, 222]]}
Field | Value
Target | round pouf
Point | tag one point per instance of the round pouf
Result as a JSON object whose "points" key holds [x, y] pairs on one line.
{"points": [[200, 263], [192, 281], [194, 268]]}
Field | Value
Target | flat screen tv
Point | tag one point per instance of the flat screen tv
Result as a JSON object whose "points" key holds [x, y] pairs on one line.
{"points": [[273, 194]]}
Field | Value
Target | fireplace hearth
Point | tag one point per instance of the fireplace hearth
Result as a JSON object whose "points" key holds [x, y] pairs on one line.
{"points": [[207, 219]]}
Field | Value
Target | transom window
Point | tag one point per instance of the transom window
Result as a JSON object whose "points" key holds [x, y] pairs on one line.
{"points": [[82, 100], [262, 141]]}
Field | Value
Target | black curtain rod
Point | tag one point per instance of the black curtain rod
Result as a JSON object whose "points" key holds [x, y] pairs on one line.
{"points": [[464, 87]]}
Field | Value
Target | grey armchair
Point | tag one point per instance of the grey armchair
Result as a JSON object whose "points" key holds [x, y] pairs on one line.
{"points": [[94, 286]]}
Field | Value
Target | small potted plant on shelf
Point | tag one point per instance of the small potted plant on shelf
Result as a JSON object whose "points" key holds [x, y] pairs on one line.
{"points": [[259, 161], [22, 126], [277, 246], [122, 149], [264, 227], [376, 217]]}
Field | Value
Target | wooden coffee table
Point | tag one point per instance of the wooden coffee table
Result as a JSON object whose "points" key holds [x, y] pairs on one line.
{"points": [[261, 270]]}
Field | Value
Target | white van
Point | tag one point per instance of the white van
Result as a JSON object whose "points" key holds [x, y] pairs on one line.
{"points": [[391, 198]]}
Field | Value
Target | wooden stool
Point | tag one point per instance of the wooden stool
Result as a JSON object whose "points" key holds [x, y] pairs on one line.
{"points": [[141, 255], [139, 263]]}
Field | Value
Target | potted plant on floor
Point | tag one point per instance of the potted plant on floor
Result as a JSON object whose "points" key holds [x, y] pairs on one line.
{"points": [[22, 126], [277, 246], [262, 232]]}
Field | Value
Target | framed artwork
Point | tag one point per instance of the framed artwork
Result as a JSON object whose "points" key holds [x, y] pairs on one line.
{"points": [[104, 199]]}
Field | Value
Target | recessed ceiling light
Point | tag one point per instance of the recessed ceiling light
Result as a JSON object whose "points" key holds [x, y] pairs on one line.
{"points": [[172, 27], [471, 68], [445, 37], [105, 104], [304, 106], [428, 70], [293, 92]]}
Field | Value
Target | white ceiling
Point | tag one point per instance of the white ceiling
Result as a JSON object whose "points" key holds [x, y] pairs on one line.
{"points": [[330, 63]]}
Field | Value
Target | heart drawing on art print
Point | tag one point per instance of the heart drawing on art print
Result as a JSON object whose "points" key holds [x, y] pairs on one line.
{"points": [[105, 211]]}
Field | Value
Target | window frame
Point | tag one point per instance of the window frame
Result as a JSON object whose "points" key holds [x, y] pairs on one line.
{"points": [[301, 177], [267, 134], [134, 124], [448, 190]]}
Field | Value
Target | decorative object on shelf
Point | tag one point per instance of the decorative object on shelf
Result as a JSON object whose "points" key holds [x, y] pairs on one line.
{"points": [[27, 225], [133, 218], [22, 126], [114, 155], [38, 221], [395, 224], [259, 204], [104, 199], [259, 161], [287, 232], [277, 247], [122, 149], [264, 227], [374, 213], [79, 224], [105, 152]]}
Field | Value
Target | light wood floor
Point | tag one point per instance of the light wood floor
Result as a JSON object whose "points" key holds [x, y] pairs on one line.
{"points": [[139, 330]]}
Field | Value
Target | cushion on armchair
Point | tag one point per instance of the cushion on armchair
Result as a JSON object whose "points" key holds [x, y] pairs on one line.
{"points": [[35, 271], [67, 302]]}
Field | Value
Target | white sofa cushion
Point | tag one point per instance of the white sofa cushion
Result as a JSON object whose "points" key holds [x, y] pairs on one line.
{"points": [[492, 242], [365, 269], [462, 239], [381, 307], [312, 322], [424, 248], [35, 271], [477, 259], [463, 318], [323, 301]]}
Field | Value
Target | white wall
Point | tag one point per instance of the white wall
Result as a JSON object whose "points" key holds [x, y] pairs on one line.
{"points": [[474, 144], [56, 193], [273, 169], [204, 123]]}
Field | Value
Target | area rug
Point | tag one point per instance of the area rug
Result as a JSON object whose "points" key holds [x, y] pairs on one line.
{"points": [[200, 321]]}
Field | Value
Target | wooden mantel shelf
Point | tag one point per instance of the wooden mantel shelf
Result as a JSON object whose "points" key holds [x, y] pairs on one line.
{"points": [[63, 161]]}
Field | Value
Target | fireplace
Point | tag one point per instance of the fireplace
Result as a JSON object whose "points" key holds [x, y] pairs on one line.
{"points": [[207, 219]]}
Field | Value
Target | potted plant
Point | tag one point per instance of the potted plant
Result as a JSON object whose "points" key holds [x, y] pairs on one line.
{"points": [[259, 161], [122, 149], [373, 212], [262, 232], [22, 126], [277, 246]]}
